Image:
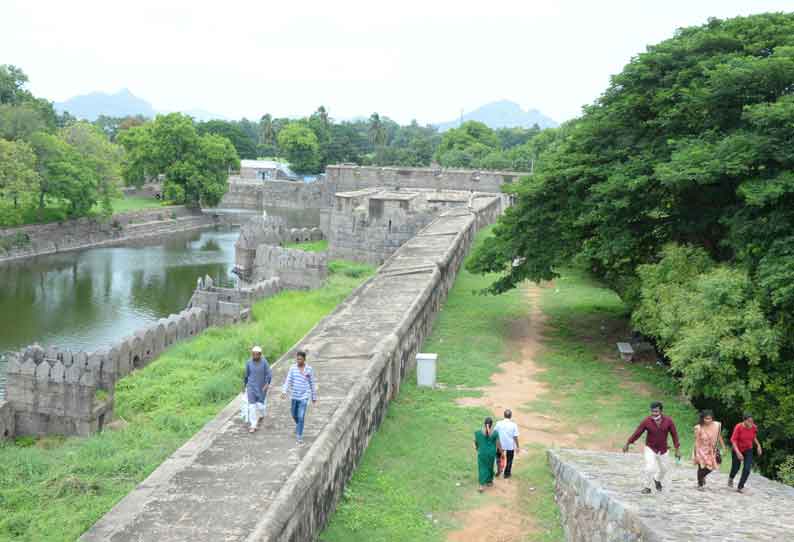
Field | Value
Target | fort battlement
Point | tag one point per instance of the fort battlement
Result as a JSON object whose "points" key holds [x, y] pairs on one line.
{"points": [[296, 269], [55, 390]]}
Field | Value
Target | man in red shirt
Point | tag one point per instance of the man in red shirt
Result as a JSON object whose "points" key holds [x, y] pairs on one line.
{"points": [[656, 453], [745, 434]]}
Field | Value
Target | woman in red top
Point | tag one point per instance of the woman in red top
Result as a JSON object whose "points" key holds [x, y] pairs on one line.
{"points": [[745, 434]]}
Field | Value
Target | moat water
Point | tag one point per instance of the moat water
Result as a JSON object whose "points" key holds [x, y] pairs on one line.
{"points": [[86, 300]]}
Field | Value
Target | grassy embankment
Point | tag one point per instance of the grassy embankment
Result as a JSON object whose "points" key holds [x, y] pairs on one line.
{"points": [[420, 468], [53, 212], [54, 488], [309, 246]]}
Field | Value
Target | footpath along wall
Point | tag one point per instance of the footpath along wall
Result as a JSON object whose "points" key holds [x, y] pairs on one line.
{"points": [[39, 239], [599, 499], [361, 353]]}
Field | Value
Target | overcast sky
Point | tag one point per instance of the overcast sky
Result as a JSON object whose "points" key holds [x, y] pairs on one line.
{"points": [[406, 59]]}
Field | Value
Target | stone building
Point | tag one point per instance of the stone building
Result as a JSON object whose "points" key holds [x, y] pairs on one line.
{"points": [[369, 225]]}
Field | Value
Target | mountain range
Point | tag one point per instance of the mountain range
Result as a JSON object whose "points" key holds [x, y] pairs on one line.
{"points": [[121, 104], [502, 114]]}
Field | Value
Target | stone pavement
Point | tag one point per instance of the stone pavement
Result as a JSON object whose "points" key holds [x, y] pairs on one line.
{"points": [[599, 498], [227, 485]]}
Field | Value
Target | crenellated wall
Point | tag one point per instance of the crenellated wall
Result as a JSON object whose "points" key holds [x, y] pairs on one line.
{"points": [[296, 269], [226, 306], [38, 239], [57, 391]]}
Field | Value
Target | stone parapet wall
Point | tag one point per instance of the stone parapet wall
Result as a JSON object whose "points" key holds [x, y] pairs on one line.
{"points": [[295, 268], [226, 306], [257, 195], [600, 501], [7, 424], [39, 239]]}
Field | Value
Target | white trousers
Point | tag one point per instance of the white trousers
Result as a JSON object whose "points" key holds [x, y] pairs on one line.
{"points": [[256, 411], [657, 467]]}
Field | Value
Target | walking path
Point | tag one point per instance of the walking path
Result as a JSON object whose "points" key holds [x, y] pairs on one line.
{"points": [[512, 388]]}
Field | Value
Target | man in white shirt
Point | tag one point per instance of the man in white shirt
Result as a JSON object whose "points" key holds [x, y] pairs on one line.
{"points": [[508, 439]]}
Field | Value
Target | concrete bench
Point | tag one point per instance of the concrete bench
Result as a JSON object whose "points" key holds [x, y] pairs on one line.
{"points": [[626, 351]]}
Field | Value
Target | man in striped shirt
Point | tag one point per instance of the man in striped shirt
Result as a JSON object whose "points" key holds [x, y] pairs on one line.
{"points": [[300, 381]]}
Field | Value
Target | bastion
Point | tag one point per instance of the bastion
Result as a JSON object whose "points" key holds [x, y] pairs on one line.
{"points": [[600, 501]]}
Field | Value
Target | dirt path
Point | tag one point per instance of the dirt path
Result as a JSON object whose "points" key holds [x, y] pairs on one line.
{"points": [[502, 518]]}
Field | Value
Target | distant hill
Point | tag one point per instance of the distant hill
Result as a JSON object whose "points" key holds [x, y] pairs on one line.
{"points": [[121, 104], [502, 114]]}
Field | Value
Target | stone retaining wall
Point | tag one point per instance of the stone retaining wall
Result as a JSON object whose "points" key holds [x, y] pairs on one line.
{"points": [[600, 501], [39, 239]]}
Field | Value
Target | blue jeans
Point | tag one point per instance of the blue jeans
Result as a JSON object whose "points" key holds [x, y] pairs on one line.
{"points": [[298, 412]]}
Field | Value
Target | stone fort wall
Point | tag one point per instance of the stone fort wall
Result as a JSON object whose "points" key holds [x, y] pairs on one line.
{"points": [[295, 269], [39, 239], [347, 178], [255, 195], [71, 393], [361, 353]]}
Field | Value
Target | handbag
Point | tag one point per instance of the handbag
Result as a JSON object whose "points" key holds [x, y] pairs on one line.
{"points": [[718, 455]]}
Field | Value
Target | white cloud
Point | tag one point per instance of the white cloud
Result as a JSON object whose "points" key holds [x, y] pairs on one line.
{"points": [[409, 59]]}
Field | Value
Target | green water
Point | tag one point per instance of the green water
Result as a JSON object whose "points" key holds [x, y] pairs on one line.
{"points": [[88, 299]]}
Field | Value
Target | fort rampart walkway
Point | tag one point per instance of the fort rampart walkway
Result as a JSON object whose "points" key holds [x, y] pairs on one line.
{"points": [[227, 485]]}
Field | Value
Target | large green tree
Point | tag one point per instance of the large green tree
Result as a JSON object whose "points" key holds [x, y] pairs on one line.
{"points": [[64, 175], [243, 141], [195, 166], [300, 147], [691, 145], [19, 179], [102, 156]]}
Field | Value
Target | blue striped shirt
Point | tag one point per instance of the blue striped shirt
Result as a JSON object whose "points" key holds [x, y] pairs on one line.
{"points": [[300, 383]]}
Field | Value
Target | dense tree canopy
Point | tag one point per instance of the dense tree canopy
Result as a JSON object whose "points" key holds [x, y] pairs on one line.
{"points": [[195, 167], [691, 145], [51, 166], [300, 147]]}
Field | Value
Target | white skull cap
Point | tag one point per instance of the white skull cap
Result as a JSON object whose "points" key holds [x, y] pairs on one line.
{"points": [[256, 349]]}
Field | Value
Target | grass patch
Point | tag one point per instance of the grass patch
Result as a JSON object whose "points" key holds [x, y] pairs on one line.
{"points": [[310, 246], [420, 467], [57, 211], [134, 203], [54, 489]]}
